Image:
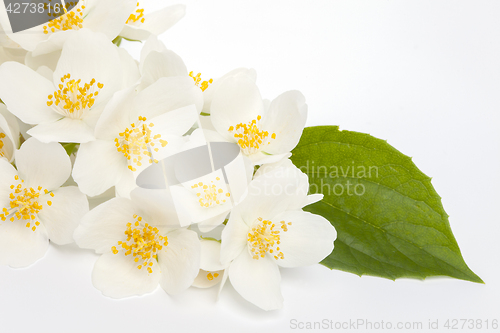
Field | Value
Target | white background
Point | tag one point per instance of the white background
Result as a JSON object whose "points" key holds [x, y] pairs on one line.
{"points": [[422, 74]]}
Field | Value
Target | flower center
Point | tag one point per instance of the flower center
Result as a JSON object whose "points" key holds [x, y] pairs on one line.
{"points": [[143, 243], [210, 195], [2, 152], [135, 143], [24, 204], [69, 21], [197, 81], [137, 16], [71, 100], [265, 238], [250, 137]]}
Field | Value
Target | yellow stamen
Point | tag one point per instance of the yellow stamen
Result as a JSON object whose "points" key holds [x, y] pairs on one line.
{"points": [[73, 99], [250, 137], [265, 238], [197, 81], [24, 204], [69, 21], [2, 152], [137, 16], [210, 195], [143, 243], [137, 143]]}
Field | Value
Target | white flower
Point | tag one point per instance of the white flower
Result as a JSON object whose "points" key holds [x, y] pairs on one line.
{"points": [[139, 246], [9, 134], [265, 133], [141, 24], [207, 199], [135, 131], [34, 208], [90, 70], [268, 229], [211, 270], [104, 16]]}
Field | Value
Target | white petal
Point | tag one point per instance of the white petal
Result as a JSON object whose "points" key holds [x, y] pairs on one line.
{"points": [[130, 69], [159, 21], [286, 118], [21, 246], [98, 166], [207, 279], [222, 283], [117, 276], [210, 256], [234, 238], [60, 219], [208, 94], [104, 226], [161, 64], [118, 115], [25, 93], [239, 173], [152, 44], [176, 122], [310, 199], [179, 261], [50, 60], [211, 224], [134, 33], [45, 72], [156, 206], [10, 124], [273, 192], [309, 239], [63, 130], [167, 94], [43, 164], [53, 43], [11, 139], [258, 281], [237, 100], [28, 39], [126, 185], [299, 182]]}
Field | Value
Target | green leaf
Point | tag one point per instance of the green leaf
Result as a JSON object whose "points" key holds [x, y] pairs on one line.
{"points": [[389, 219]]}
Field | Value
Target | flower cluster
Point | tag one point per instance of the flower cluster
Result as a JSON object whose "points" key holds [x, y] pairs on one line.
{"points": [[187, 179]]}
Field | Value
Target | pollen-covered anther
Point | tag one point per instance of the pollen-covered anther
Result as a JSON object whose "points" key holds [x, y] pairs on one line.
{"points": [[73, 97], [210, 195], [2, 153], [137, 143], [203, 85], [264, 238], [69, 21], [250, 137], [25, 203], [137, 16], [143, 242], [211, 276]]}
